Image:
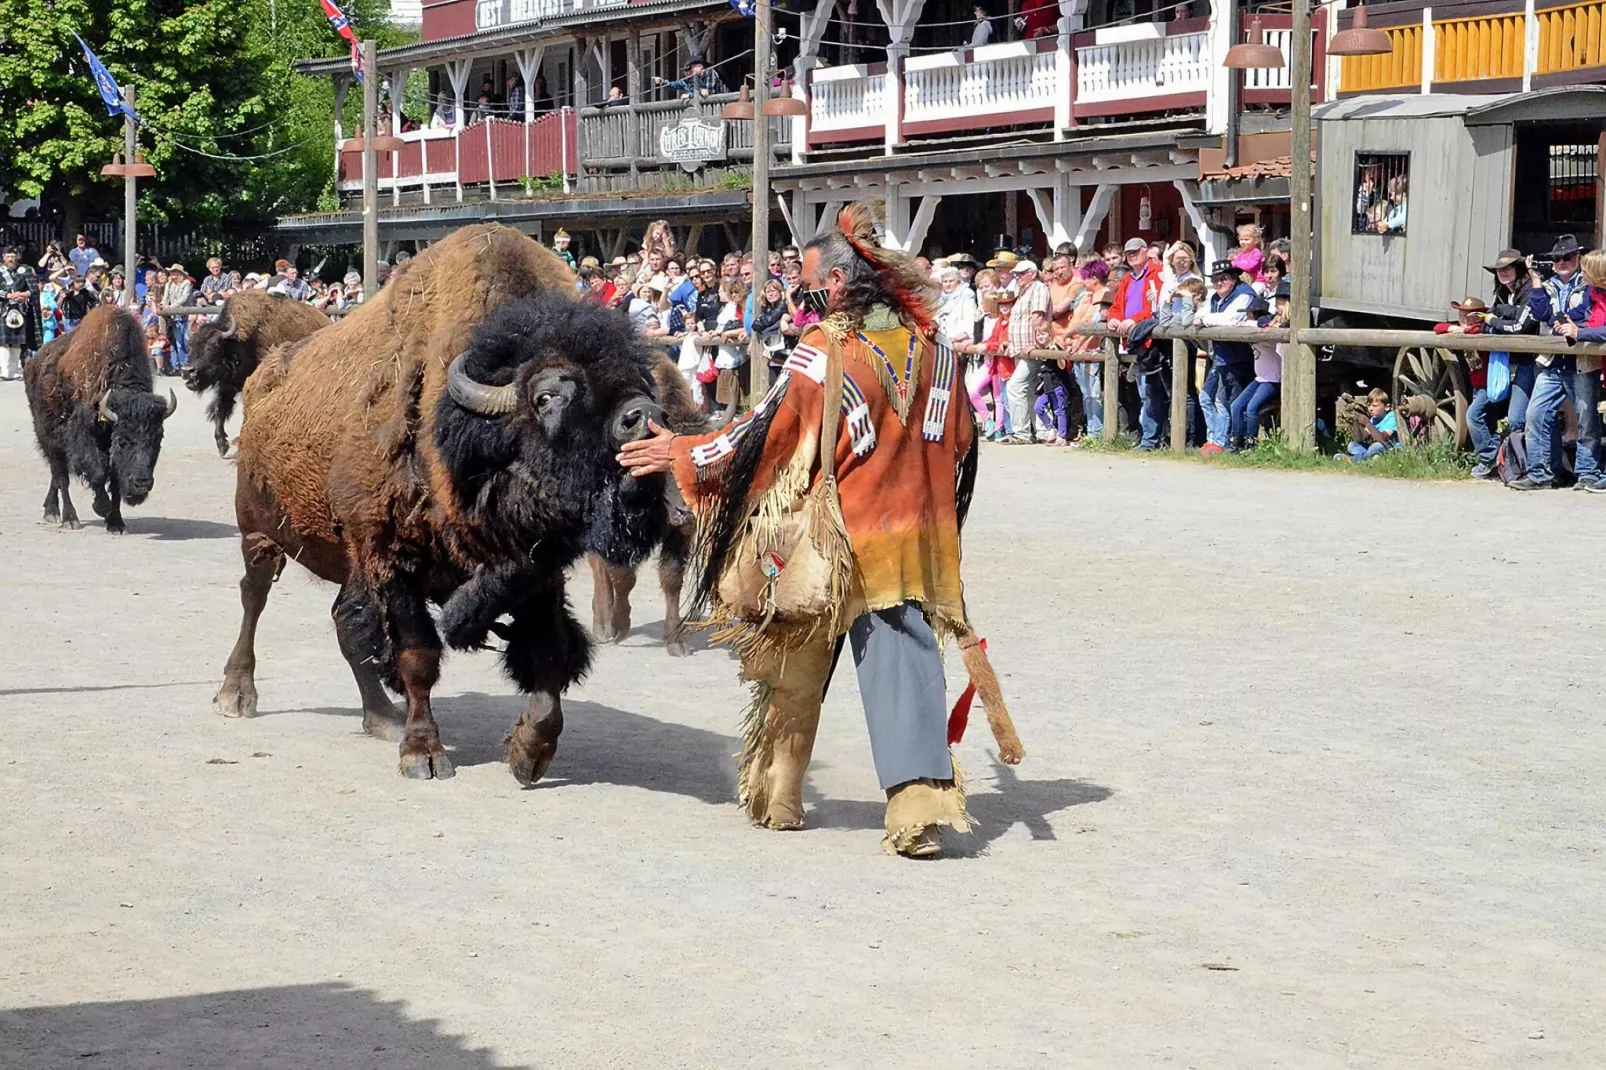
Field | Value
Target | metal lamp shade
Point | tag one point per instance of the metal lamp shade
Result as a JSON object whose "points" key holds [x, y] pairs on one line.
{"points": [[784, 103], [1255, 53], [1360, 39], [740, 108]]}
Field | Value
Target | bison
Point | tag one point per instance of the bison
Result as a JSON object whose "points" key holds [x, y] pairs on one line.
{"points": [[611, 584], [224, 352], [96, 416], [453, 442]]}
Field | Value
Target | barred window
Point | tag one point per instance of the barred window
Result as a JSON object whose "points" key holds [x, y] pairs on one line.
{"points": [[1382, 189], [1570, 201]]}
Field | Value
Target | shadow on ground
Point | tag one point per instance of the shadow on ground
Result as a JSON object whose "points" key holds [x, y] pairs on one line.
{"points": [[176, 529], [321, 1025], [600, 745], [1012, 802]]}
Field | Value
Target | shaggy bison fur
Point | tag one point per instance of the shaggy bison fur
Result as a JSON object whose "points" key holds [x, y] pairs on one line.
{"points": [[225, 351], [453, 442], [95, 415]]}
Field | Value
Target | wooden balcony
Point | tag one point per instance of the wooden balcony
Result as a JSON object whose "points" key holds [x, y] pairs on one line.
{"points": [[439, 163], [1481, 47]]}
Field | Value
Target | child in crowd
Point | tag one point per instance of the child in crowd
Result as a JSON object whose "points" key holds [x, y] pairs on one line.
{"points": [[158, 345], [1380, 431], [1245, 408], [1249, 256], [999, 367], [1271, 277]]}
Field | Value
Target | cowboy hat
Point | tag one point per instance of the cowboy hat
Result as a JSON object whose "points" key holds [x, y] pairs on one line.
{"points": [[1507, 258], [1222, 267], [956, 259], [1566, 246], [1469, 304], [1003, 259]]}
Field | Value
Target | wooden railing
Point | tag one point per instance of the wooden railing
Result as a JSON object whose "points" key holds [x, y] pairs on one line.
{"points": [[1472, 49], [1401, 68], [1572, 38], [1123, 68], [1007, 83]]}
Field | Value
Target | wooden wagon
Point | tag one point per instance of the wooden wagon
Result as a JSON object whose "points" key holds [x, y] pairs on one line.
{"points": [[1417, 192]]}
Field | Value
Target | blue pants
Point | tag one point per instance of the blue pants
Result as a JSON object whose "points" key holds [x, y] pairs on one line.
{"points": [[1586, 399], [1154, 412], [1358, 452], [1543, 424], [1221, 386], [1483, 423], [1245, 420], [1056, 397], [1522, 385], [1090, 382], [180, 337], [903, 689]]}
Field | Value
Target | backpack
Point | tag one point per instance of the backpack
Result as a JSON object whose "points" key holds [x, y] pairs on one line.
{"points": [[1511, 463]]}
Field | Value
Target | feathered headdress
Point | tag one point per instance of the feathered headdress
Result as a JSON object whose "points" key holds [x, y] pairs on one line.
{"points": [[907, 287]]}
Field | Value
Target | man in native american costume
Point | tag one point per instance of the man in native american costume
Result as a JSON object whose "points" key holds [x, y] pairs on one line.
{"points": [[904, 458]]}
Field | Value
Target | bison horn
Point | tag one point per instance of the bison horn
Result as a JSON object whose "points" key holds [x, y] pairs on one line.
{"points": [[226, 327], [172, 403], [105, 410], [477, 397]]}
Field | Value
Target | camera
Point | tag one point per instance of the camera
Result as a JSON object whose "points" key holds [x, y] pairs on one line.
{"points": [[1546, 267]]}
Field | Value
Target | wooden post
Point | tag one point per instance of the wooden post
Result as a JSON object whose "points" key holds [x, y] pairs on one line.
{"points": [[130, 198], [759, 377], [1112, 387], [1181, 372], [1299, 366], [370, 170]]}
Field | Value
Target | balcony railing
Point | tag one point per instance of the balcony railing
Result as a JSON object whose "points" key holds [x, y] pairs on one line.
{"points": [[1007, 84], [1571, 38], [848, 103], [623, 136], [1148, 66], [487, 152]]}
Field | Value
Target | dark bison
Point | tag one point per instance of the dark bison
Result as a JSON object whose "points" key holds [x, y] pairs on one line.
{"points": [[95, 415], [224, 352], [611, 584], [451, 442]]}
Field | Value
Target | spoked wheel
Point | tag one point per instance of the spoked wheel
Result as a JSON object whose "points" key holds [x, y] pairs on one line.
{"points": [[1431, 383]]}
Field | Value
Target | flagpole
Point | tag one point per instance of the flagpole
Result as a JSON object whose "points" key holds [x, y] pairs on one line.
{"points": [[370, 172], [129, 199]]}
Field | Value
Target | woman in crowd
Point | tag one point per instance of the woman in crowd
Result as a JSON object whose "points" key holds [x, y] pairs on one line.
{"points": [[770, 326], [1095, 275], [956, 307], [1244, 411]]}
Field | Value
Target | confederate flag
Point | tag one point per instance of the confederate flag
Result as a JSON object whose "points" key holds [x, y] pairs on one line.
{"points": [[342, 25]]}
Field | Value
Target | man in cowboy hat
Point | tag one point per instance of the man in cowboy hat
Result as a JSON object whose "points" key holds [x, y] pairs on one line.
{"points": [[1232, 364], [697, 79], [1556, 301]]}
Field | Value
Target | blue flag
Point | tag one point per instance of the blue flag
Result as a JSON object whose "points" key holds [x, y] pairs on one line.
{"points": [[109, 91], [745, 8]]}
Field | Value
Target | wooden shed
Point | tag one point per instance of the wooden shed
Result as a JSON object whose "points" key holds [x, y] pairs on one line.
{"points": [[1416, 193]]}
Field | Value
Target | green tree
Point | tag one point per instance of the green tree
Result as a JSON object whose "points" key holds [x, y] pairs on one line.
{"points": [[213, 78]]}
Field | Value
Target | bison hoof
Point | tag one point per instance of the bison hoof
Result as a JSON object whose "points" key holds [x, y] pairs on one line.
{"points": [[528, 766], [384, 724], [427, 765], [236, 700], [116, 527], [52, 516], [222, 445], [101, 505]]}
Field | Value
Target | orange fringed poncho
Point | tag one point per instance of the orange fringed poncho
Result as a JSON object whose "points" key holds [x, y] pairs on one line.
{"points": [[905, 427]]}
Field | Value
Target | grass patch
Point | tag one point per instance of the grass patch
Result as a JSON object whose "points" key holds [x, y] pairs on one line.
{"points": [[1431, 462]]}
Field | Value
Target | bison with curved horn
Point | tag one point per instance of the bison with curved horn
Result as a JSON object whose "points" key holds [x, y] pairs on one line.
{"points": [[224, 352], [453, 442], [96, 415], [611, 584]]}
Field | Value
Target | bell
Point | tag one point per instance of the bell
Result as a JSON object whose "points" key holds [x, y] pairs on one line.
{"points": [[1255, 53], [1360, 39], [740, 108]]}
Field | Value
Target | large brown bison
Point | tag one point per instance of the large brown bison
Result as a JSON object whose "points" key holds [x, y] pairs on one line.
{"points": [[611, 583], [96, 416], [452, 442], [224, 352]]}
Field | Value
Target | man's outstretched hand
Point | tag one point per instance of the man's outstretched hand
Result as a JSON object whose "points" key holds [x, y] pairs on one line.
{"points": [[649, 455]]}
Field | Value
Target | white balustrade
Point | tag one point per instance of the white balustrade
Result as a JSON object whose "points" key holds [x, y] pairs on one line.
{"points": [[999, 79], [1152, 66], [846, 98]]}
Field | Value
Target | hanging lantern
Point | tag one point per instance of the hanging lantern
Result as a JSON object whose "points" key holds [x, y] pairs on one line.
{"points": [[1145, 211]]}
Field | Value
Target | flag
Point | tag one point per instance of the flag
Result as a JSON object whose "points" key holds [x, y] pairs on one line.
{"points": [[745, 8], [342, 25], [110, 94]]}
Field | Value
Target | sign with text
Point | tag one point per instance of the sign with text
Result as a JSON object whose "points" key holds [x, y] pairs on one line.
{"points": [[692, 142]]}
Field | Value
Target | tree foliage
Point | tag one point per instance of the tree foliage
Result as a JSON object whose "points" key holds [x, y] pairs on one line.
{"points": [[212, 78]]}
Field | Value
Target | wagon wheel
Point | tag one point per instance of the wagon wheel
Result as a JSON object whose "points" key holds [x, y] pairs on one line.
{"points": [[1437, 381]]}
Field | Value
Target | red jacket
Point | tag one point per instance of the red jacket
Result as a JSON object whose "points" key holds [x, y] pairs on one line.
{"points": [[1151, 296], [1042, 17]]}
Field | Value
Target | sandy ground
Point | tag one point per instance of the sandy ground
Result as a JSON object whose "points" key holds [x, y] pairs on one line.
{"points": [[1314, 780]]}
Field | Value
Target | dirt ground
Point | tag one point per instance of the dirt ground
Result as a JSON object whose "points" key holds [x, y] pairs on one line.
{"points": [[1314, 779]]}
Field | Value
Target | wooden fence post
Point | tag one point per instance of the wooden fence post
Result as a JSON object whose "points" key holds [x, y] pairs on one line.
{"points": [[1112, 386], [1181, 373]]}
